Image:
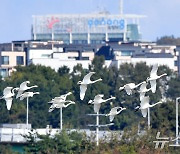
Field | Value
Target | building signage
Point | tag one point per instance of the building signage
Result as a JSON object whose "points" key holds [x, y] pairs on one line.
{"points": [[107, 22], [52, 22]]}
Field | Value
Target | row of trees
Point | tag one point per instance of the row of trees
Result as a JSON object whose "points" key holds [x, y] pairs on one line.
{"points": [[168, 40], [52, 84], [74, 142]]}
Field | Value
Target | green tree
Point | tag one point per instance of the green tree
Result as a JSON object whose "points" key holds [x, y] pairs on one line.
{"points": [[168, 40]]}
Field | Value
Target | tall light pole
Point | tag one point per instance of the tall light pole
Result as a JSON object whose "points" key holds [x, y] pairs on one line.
{"points": [[61, 118], [98, 125], [177, 125], [177, 120], [149, 119], [27, 112], [97, 104], [27, 95], [59, 102], [97, 129]]}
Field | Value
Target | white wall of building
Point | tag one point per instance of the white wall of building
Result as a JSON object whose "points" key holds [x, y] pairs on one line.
{"points": [[60, 56], [72, 55], [160, 61], [39, 53], [57, 63], [149, 61]]}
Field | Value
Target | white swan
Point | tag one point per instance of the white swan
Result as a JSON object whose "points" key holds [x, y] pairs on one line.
{"points": [[144, 105], [8, 93], [98, 100], [129, 87], [28, 94], [153, 77], [60, 105], [83, 84], [114, 111], [59, 102], [143, 89], [62, 97], [23, 87]]}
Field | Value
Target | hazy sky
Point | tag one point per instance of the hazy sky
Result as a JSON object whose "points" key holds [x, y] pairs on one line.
{"points": [[16, 15]]}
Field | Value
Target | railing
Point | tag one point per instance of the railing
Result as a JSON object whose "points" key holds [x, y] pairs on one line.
{"points": [[13, 135], [17, 135]]}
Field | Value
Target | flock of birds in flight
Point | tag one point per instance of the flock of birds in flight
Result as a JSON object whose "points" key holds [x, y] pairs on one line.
{"points": [[60, 102], [22, 93]]}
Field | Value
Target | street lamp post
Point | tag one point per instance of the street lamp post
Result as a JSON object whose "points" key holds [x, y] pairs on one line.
{"points": [[97, 126], [61, 118], [27, 95], [149, 119], [177, 120], [177, 125], [97, 129], [27, 113], [59, 102]]}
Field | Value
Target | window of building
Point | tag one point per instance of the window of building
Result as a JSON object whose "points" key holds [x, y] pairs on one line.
{"points": [[84, 42], [85, 58], [72, 58], [43, 36], [126, 53], [19, 60], [45, 55], [175, 63], [5, 60], [75, 41], [4, 72]]}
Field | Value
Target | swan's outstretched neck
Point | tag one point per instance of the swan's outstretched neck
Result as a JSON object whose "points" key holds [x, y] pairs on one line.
{"points": [[69, 93], [121, 88], [109, 99], [139, 84], [71, 102], [33, 86], [97, 80], [163, 74], [147, 79], [148, 89], [156, 103], [90, 101], [121, 110], [137, 108], [14, 90], [107, 114]]}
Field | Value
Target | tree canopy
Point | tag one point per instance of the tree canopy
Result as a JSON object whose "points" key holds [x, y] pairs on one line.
{"points": [[168, 40]]}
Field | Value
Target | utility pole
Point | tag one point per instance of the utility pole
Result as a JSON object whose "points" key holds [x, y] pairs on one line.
{"points": [[177, 134], [98, 125]]}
